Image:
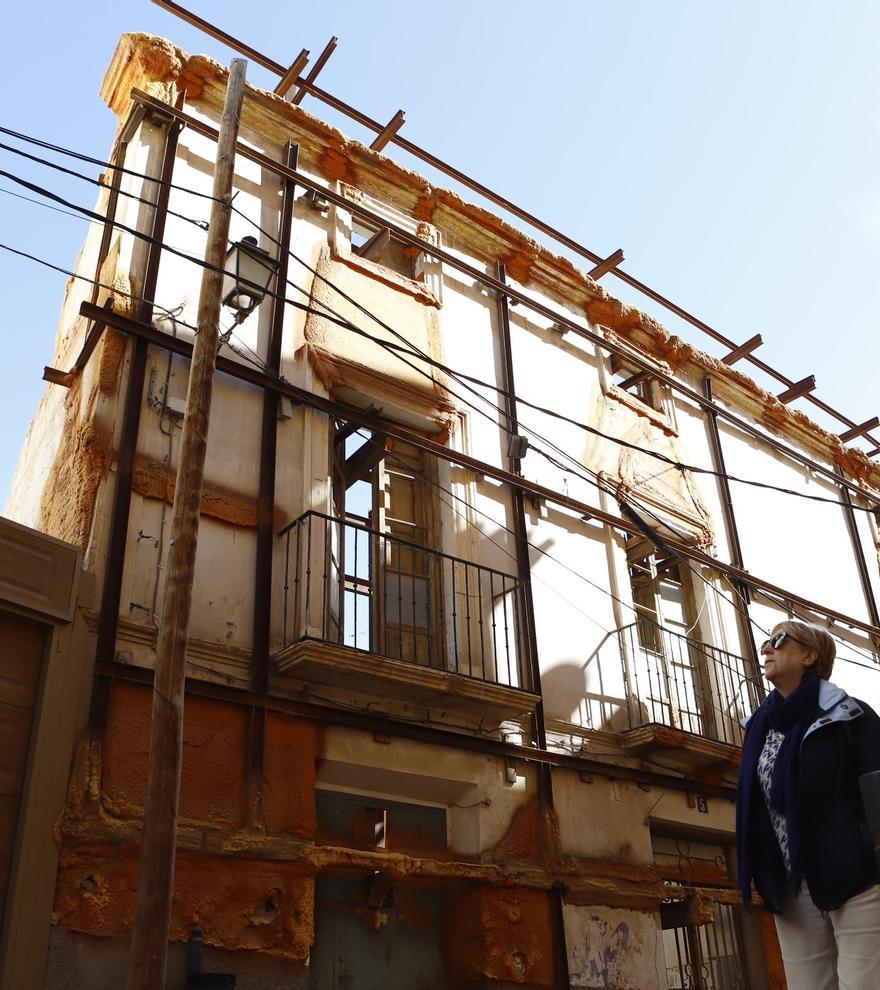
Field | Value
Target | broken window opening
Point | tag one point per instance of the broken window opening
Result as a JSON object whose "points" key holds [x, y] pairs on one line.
{"points": [[379, 245]]}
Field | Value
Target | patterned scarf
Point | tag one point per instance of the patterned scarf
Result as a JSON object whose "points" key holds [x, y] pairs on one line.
{"points": [[792, 717]]}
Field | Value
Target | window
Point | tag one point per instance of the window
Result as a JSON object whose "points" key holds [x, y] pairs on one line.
{"points": [[376, 823], [390, 580], [667, 664], [639, 384], [702, 936]]}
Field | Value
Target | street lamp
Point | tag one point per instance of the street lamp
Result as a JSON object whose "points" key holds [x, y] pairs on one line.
{"points": [[248, 272]]}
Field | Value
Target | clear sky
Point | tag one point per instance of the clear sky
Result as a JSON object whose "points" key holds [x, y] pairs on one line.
{"points": [[730, 149]]}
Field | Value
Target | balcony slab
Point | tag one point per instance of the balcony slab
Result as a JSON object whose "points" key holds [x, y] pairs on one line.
{"points": [[683, 749], [317, 662]]}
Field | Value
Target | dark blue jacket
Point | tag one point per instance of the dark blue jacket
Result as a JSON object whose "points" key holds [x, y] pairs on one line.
{"points": [[837, 852]]}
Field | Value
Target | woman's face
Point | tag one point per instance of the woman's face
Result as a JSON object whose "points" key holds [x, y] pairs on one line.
{"points": [[784, 665]]}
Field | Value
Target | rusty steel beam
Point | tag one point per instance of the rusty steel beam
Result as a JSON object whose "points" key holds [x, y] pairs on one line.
{"points": [[268, 450], [743, 350], [388, 131], [288, 80], [610, 263], [220, 35], [859, 554], [320, 62], [860, 430], [112, 589], [491, 195], [339, 410], [797, 389]]}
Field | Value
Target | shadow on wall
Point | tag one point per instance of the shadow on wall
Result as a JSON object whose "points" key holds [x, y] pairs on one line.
{"points": [[590, 693]]}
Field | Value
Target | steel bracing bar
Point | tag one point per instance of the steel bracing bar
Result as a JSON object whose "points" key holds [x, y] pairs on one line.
{"points": [[339, 410], [112, 590], [308, 86], [514, 294], [388, 725], [268, 452], [320, 62]]}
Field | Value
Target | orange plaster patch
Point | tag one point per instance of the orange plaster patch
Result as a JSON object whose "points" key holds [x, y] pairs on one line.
{"points": [[238, 903], [522, 840], [213, 778], [504, 935], [335, 164], [289, 776]]}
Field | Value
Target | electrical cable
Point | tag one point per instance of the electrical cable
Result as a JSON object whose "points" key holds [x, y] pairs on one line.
{"points": [[348, 325], [460, 376]]}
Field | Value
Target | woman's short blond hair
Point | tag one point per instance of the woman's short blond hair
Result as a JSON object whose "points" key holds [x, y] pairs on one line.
{"points": [[815, 638]]}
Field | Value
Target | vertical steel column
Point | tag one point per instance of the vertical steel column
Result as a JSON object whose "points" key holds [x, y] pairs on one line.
{"points": [[266, 503], [268, 447], [523, 570], [112, 590], [849, 515], [746, 634]]}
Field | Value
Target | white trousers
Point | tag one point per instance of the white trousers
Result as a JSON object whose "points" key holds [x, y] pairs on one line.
{"points": [[837, 950]]}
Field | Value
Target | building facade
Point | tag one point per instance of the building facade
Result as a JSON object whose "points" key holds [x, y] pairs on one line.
{"points": [[476, 603]]}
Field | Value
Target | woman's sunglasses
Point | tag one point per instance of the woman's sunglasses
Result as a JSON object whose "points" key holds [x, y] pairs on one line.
{"points": [[778, 641]]}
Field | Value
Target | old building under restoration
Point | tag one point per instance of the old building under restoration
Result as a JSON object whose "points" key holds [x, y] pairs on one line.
{"points": [[476, 602]]}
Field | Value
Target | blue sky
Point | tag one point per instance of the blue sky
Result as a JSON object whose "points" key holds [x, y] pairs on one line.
{"points": [[731, 150]]}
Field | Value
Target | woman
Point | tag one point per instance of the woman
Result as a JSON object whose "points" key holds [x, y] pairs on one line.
{"points": [[802, 836]]}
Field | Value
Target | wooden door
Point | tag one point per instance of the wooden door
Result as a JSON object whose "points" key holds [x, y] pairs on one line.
{"points": [[21, 662]]}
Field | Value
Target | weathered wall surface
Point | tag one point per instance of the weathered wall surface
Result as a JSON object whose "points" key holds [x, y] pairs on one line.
{"points": [[250, 847]]}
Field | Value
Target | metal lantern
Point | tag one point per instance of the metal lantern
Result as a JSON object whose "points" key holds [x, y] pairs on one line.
{"points": [[249, 269]]}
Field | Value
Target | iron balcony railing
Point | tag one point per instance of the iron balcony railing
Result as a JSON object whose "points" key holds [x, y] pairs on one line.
{"points": [[673, 679], [353, 586]]}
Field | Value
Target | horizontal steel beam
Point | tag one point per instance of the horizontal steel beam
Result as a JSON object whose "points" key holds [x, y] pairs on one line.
{"points": [[797, 389], [388, 131], [611, 262], [860, 430], [387, 725], [320, 62], [744, 349], [339, 410], [515, 295]]}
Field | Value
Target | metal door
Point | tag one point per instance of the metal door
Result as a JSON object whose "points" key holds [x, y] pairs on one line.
{"points": [[371, 936]]}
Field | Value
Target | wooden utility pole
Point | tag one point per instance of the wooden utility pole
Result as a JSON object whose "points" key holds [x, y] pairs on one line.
{"points": [[152, 918]]}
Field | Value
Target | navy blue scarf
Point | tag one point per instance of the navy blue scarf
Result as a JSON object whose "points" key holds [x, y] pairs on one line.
{"points": [[791, 716]]}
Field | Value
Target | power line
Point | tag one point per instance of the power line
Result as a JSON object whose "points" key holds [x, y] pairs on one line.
{"points": [[459, 376], [348, 325]]}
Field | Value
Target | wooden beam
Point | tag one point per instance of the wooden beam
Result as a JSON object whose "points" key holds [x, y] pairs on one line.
{"points": [[288, 80], [152, 918], [798, 389], [612, 261], [860, 431], [740, 352], [388, 131], [321, 61]]}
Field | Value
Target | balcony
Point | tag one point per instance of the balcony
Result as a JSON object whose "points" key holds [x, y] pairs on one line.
{"points": [[680, 698], [367, 611]]}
